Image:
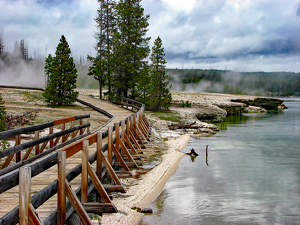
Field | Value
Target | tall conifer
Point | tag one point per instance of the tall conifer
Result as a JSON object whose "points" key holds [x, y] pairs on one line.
{"points": [[63, 75], [131, 46], [160, 83], [102, 64]]}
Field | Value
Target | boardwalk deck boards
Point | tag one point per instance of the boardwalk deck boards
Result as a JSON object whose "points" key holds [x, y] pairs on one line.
{"points": [[10, 198]]}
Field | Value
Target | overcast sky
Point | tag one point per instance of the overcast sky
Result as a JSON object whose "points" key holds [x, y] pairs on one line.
{"points": [[240, 35]]}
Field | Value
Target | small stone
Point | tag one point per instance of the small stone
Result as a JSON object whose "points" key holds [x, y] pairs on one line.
{"points": [[147, 210]]}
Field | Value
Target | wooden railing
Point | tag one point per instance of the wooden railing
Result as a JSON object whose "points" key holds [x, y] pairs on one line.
{"points": [[125, 140], [39, 143], [134, 105]]}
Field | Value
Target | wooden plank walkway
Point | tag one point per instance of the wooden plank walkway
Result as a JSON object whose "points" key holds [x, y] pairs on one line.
{"points": [[118, 112], [10, 198]]}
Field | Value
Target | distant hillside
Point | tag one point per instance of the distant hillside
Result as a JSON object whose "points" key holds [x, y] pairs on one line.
{"points": [[224, 81]]}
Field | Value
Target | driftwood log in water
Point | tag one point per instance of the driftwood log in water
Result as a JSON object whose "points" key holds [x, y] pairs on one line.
{"points": [[186, 126]]}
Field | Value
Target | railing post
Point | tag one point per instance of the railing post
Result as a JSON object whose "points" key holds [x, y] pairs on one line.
{"points": [[24, 194], [72, 125], [80, 123], [109, 143], [99, 155], [84, 173], [88, 128], [51, 141], [123, 131], [18, 154], [37, 147], [117, 134], [61, 193], [127, 123]]}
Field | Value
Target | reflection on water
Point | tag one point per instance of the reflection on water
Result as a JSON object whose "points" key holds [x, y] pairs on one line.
{"points": [[253, 175]]}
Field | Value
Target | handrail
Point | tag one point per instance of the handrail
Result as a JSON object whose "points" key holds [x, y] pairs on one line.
{"points": [[10, 179], [25, 130], [53, 139]]}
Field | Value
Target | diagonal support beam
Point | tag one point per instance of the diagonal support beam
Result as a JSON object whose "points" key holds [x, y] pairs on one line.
{"points": [[98, 185], [33, 217], [120, 159], [77, 204], [131, 145], [127, 153]]}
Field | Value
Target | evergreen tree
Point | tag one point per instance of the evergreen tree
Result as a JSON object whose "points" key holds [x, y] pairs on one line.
{"points": [[23, 50], [143, 85], [2, 114], [102, 64], [160, 83], [48, 63], [1, 44], [130, 46], [63, 75]]}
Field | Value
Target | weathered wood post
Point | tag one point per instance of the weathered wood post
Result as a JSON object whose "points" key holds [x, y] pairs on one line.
{"points": [[61, 193], [117, 134], [63, 138], [109, 145], [84, 173], [72, 125], [123, 131], [80, 123], [24, 194], [89, 127], [51, 141], [127, 122], [99, 155], [37, 147], [18, 154]]}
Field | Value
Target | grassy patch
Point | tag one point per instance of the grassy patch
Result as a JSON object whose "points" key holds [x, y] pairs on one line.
{"points": [[32, 96], [167, 115], [69, 107]]}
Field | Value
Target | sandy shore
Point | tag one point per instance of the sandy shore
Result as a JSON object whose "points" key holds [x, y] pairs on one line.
{"points": [[148, 186]]}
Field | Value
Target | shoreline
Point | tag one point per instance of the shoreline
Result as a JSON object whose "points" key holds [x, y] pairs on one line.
{"points": [[149, 186]]}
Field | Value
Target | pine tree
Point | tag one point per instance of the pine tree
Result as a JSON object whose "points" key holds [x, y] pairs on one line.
{"points": [[2, 114], [160, 83], [143, 85], [102, 64], [63, 75], [130, 46], [1, 44], [47, 68], [23, 50]]}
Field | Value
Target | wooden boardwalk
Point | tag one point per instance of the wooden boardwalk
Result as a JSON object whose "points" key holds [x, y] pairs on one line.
{"points": [[117, 112], [10, 199]]}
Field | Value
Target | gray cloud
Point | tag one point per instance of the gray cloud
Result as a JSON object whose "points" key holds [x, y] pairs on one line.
{"points": [[239, 35]]}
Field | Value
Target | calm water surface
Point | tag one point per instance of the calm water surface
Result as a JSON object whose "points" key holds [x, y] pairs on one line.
{"points": [[253, 175]]}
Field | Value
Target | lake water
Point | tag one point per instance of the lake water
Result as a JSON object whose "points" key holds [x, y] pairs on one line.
{"points": [[252, 176]]}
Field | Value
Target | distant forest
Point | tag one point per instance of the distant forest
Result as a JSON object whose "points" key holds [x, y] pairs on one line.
{"points": [[21, 70], [224, 81]]}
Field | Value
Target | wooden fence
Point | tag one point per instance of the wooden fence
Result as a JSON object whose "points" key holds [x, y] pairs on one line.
{"points": [[124, 142], [40, 143]]}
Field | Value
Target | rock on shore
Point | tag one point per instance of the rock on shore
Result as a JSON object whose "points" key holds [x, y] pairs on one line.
{"points": [[214, 107]]}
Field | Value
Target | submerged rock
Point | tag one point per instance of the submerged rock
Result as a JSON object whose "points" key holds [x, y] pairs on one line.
{"points": [[254, 109], [267, 103]]}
